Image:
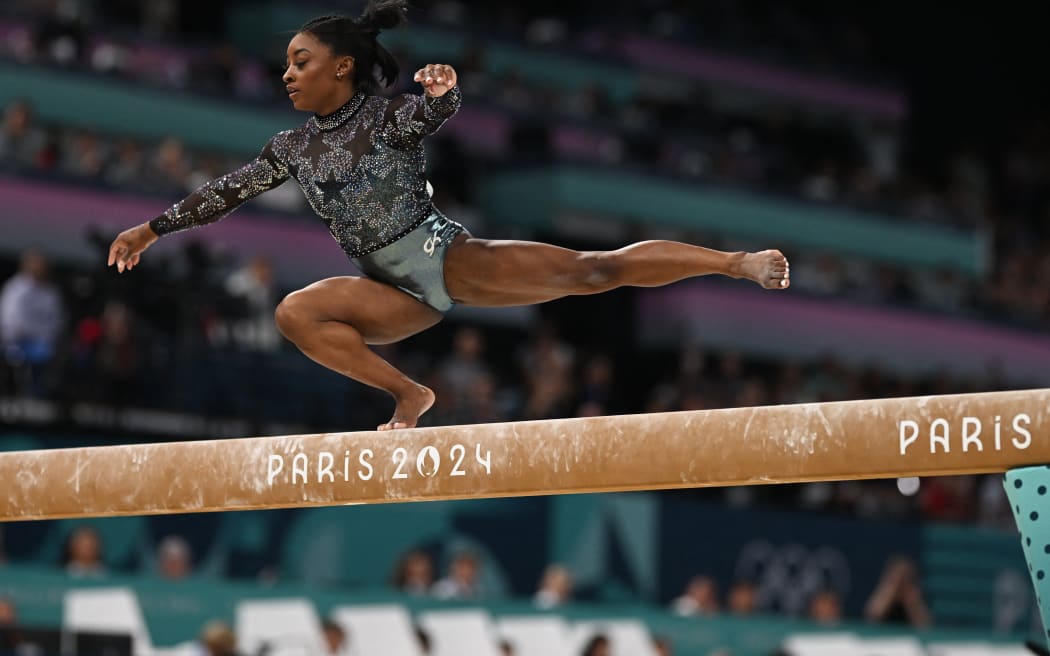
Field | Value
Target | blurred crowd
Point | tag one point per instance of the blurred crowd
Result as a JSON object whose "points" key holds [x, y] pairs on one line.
{"points": [[684, 133], [897, 598]]}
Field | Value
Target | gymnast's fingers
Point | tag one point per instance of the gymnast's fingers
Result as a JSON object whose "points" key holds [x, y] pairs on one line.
{"points": [[116, 251], [449, 75]]}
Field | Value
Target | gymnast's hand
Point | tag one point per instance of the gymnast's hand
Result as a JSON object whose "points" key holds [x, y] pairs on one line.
{"points": [[436, 79], [128, 246]]}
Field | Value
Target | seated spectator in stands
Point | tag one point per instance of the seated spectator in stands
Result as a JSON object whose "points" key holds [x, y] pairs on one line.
{"points": [[126, 169], [118, 355], [662, 646], [21, 140], [424, 640], [547, 365], [463, 374], [9, 634], [555, 587], [31, 317], [174, 559], [949, 498], [414, 573], [84, 156], [700, 598], [898, 597], [825, 608], [597, 646], [462, 581], [83, 554], [465, 364], [742, 598], [255, 287], [217, 639], [168, 170], [597, 387], [8, 615], [335, 639]]}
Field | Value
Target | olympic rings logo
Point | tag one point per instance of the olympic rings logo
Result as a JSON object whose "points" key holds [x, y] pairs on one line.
{"points": [[787, 577]]}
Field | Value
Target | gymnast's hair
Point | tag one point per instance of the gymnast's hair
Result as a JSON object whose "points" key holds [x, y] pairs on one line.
{"points": [[374, 67]]}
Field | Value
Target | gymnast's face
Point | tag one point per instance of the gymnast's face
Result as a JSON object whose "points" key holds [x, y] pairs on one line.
{"points": [[315, 78]]}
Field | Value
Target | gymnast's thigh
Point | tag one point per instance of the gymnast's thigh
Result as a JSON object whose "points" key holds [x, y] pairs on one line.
{"points": [[381, 313], [497, 272]]}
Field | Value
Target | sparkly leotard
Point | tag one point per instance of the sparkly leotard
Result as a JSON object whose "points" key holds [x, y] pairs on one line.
{"points": [[361, 169]]}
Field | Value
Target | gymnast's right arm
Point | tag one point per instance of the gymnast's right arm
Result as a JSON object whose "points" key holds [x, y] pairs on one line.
{"points": [[213, 201]]}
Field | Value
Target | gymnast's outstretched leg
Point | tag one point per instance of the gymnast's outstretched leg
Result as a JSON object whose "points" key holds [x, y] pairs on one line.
{"points": [[333, 322], [497, 272]]}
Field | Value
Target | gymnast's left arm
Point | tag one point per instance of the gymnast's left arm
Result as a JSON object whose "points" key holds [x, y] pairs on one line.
{"points": [[211, 202], [410, 117]]}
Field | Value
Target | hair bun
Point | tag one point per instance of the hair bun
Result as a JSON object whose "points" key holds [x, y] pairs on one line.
{"points": [[383, 15]]}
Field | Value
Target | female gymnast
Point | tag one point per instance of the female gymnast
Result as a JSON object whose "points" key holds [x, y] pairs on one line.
{"points": [[359, 160]]}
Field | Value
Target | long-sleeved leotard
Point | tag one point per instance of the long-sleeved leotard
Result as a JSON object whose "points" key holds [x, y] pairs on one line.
{"points": [[361, 168]]}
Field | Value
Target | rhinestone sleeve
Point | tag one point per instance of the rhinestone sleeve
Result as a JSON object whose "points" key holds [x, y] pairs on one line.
{"points": [[217, 198], [411, 117]]}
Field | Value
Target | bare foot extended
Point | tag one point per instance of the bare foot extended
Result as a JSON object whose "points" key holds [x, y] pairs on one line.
{"points": [[768, 268], [410, 407]]}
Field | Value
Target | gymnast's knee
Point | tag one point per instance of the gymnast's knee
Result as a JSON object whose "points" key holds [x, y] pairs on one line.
{"points": [[292, 315], [601, 270]]}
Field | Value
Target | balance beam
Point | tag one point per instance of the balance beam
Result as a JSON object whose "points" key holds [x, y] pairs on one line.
{"points": [[884, 438]]}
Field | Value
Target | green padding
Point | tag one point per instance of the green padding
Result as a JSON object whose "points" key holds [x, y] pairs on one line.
{"points": [[1029, 492], [536, 196], [114, 107]]}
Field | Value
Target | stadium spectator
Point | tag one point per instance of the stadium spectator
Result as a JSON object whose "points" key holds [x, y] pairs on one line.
{"points": [[825, 608], [32, 313], [742, 598], [423, 638], [117, 355], [22, 142], [949, 498], [8, 614], [9, 633], [126, 167], [84, 157], [662, 646], [700, 598], [462, 580], [254, 287], [597, 646], [506, 648], [898, 597], [174, 558], [546, 366], [555, 587], [596, 387], [414, 573], [335, 638], [462, 375], [83, 554], [217, 639]]}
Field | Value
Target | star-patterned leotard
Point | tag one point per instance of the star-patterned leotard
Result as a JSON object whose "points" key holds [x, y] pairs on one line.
{"points": [[362, 169]]}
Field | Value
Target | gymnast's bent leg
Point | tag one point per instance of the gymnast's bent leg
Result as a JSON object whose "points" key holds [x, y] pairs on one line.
{"points": [[333, 322]]}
